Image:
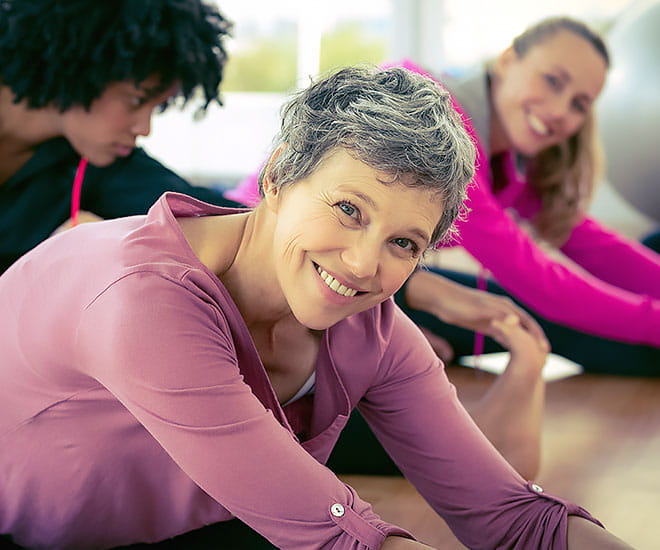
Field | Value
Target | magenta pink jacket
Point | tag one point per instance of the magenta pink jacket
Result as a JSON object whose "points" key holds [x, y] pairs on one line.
{"points": [[134, 407], [613, 288]]}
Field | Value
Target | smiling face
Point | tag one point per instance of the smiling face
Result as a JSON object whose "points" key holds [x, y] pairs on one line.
{"points": [[344, 241], [543, 97], [109, 128]]}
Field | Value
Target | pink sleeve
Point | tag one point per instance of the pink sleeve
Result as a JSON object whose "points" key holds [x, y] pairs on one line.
{"points": [[561, 293], [172, 363], [614, 258], [415, 413]]}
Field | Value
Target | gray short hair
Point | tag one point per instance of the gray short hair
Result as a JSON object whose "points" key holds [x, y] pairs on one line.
{"points": [[395, 121]]}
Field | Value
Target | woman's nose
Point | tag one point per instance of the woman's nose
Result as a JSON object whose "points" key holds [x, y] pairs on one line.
{"points": [[142, 124], [362, 258]]}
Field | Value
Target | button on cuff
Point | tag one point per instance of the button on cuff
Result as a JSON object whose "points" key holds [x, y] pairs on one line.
{"points": [[352, 523], [337, 510]]}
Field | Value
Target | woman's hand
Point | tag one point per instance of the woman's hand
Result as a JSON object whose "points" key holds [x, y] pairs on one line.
{"points": [[472, 309], [527, 352]]}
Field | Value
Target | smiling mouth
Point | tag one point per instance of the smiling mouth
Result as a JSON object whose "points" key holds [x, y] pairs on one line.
{"points": [[538, 125], [334, 284]]}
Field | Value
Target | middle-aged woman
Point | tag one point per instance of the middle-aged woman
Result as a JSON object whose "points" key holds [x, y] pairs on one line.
{"points": [[197, 364]]}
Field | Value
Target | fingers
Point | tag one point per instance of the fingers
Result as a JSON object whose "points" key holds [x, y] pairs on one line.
{"points": [[530, 324], [504, 330], [524, 347]]}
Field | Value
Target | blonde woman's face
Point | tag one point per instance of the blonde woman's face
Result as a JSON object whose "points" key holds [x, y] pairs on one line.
{"points": [[543, 98]]}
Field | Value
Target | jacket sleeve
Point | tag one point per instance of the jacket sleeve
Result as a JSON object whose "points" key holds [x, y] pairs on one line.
{"points": [[171, 361], [415, 413], [614, 258], [560, 292]]}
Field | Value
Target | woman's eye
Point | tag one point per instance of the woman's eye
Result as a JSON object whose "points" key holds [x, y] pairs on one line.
{"points": [[553, 81], [406, 244], [348, 209], [580, 107], [138, 101]]}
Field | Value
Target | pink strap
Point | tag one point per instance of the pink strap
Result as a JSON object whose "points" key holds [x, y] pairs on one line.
{"points": [[75, 192], [478, 336]]}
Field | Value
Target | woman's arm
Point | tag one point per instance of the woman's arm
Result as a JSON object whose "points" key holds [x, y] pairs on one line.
{"points": [[468, 308], [511, 411], [399, 543], [414, 412], [173, 361], [559, 292], [614, 258]]}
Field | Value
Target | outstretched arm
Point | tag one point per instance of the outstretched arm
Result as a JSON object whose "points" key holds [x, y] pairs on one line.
{"points": [[457, 304]]}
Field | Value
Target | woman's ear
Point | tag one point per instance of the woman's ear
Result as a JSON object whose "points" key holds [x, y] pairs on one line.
{"points": [[270, 190], [504, 60]]}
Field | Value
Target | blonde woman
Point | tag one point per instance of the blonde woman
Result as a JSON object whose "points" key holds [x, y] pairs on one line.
{"points": [[531, 114]]}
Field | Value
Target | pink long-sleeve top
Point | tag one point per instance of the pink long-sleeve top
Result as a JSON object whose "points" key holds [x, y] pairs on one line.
{"points": [[611, 290], [134, 407]]}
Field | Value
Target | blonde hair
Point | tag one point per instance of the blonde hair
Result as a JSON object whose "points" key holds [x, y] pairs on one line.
{"points": [[564, 175]]}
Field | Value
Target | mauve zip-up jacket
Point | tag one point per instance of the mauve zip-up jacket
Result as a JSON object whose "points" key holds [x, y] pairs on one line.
{"points": [[134, 407]]}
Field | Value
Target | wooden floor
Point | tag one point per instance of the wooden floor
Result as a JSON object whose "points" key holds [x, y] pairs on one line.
{"points": [[601, 449]]}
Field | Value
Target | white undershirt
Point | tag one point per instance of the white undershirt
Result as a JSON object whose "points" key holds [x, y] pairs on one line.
{"points": [[307, 387]]}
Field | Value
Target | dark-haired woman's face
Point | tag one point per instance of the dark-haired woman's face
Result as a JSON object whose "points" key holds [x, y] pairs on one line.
{"points": [[543, 97], [110, 127]]}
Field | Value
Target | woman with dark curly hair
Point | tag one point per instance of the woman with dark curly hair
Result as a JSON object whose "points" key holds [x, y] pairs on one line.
{"points": [[79, 81]]}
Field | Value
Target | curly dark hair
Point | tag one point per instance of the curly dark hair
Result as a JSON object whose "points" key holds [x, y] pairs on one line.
{"points": [[66, 52]]}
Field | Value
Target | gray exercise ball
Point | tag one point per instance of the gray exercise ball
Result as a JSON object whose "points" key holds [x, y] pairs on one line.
{"points": [[629, 108]]}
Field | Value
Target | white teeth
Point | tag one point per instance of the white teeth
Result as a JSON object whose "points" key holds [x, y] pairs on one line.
{"points": [[537, 124], [334, 284]]}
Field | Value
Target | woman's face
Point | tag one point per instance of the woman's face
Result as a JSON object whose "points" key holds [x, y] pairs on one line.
{"points": [[344, 241], [543, 98], [111, 126]]}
